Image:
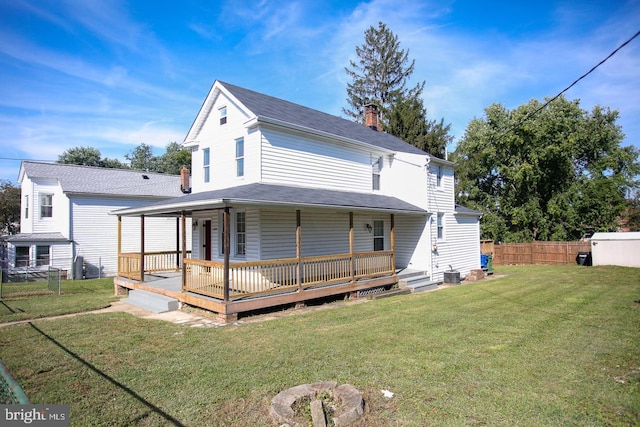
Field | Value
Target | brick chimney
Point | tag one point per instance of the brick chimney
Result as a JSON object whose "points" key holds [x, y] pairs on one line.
{"points": [[371, 116], [185, 184]]}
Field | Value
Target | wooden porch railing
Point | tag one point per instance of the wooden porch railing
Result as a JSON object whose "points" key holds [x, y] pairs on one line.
{"points": [[272, 276], [154, 262]]}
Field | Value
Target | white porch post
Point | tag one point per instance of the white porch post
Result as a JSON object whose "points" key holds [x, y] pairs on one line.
{"points": [[142, 248], [298, 250]]}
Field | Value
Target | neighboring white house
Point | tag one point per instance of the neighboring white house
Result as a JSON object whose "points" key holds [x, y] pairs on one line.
{"points": [[65, 221], [276, 166], [621, 249]]}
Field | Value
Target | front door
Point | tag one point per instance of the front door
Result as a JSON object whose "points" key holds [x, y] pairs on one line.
{"points": [[207, 240]]}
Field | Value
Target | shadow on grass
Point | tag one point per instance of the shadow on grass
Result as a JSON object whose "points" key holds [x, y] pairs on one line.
{"points": [[126, 389]]}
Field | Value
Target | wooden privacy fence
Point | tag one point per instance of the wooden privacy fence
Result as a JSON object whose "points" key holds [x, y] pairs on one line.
{"points": [[535, 252]]}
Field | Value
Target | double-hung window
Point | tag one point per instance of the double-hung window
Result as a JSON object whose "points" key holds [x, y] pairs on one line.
{"points": [[42, 255], [378, 235], [26, 206], [438, 176], [22, 256], [223, 115], [240, 157], [205, 164], [376, 167], [440, 226], [46, 205], [241, 233]]}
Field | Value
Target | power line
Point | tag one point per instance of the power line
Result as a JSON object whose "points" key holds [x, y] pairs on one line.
{"points": [[528, 115]]}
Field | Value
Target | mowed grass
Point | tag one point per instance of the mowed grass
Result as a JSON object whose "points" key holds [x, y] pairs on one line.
{"points": [[76, 296], [540, 346]]}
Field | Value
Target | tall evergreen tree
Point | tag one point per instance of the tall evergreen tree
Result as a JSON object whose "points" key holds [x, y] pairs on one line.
{"points": [[380, 74], [408, 121]]}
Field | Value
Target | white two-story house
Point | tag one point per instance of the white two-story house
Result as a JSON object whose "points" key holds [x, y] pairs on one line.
{"points": [[65, 221], [287, 198]]}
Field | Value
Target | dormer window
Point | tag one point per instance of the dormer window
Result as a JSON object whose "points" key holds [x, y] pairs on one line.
{"points": [[223, 115]]}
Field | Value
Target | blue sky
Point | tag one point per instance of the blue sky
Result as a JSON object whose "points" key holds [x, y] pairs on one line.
{"points": [[114, 74]]}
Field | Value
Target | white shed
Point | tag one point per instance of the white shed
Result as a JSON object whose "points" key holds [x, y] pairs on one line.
{"points": [[621, 249]]}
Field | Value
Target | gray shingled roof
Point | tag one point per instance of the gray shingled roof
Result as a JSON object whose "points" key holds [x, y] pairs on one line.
{"points": [[466, 211], [105, 181], [35, 237], [288, 112], [268, 194]]}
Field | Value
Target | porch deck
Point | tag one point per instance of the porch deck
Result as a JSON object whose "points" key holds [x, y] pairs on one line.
{"points": [[170, 283]]}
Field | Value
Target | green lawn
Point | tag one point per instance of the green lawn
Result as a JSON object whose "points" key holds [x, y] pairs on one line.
{"points": [[76, 296], [542, 346]]}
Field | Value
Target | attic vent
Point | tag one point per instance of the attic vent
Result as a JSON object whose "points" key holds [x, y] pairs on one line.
{"points": [[145, 176]]}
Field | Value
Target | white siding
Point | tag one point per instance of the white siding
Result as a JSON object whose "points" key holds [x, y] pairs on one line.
{"points": [[95, 232], [412, 242], [460, 248], [59, 222], [293, 159], [278, 233], [220, 139]]}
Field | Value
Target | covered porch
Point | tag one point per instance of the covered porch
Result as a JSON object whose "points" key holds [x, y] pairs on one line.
{"points": [[230, 286]]}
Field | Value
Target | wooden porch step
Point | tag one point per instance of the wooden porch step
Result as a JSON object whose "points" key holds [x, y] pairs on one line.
{"points": [[151, 301], [418, 283]]}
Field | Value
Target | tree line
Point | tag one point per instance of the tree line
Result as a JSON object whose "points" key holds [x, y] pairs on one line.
{"points": [[542, 171], [140, 158]]}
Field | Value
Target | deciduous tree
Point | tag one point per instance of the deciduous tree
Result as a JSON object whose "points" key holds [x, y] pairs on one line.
{"points": [[9, 208], [548, 174]]}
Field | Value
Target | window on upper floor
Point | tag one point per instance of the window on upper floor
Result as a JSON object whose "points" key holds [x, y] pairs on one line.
{"points": [[378, 235], [376, 167], [205, 164], [438, 176], [26, 206], [42, 255], [22, 256], [240, 157], [46, 205], [440, 226], [223, 115]]}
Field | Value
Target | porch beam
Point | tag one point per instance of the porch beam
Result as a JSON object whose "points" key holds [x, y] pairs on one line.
{"points": [[299, 250], [226, 239], [142, 248], [351, 257]]}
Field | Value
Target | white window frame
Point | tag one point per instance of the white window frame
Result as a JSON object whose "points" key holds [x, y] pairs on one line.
{"points": [[44, 196], [439, 176], [378, 234], [440, 226], [235, 236], [40, 260], [376, 167], [240, 157], [26, 207], [22, 262], [240, 233], [206, 163], [223, 115]]}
